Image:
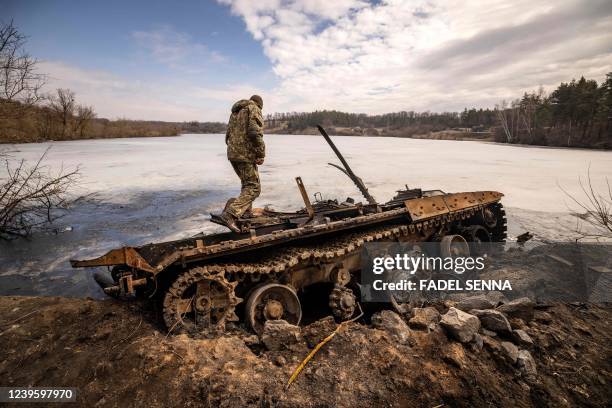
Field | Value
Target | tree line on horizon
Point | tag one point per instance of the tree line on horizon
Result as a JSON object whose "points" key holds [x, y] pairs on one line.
{"points": [[389, 124], [576, 114]]}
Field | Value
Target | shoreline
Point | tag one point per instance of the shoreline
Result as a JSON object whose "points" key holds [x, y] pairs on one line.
{"points": [[487, 140]]}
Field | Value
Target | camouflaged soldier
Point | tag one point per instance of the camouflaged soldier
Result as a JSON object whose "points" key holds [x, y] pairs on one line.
{"points": [[245, 151]]}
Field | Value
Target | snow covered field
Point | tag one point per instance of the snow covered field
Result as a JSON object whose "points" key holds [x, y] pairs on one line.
{"points": [[151, 189]]}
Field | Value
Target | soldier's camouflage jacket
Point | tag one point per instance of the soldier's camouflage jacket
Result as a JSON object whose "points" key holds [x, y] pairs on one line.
{"points": [[244, 136]]}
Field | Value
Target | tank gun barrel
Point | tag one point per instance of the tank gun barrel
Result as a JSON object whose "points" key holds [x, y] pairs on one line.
{"points": [[347, 169]]}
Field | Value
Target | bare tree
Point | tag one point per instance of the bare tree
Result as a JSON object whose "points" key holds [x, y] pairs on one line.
{"points": [[84, 116], [20, 83], [502, 114], [63, 105], [31, 196], [595, 209]]}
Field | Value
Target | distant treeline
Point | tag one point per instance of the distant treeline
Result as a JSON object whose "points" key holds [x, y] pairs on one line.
{"points": [[59, 117], [578, 113], [402, 124]]}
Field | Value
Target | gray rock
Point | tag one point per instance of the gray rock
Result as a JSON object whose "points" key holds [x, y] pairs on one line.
{"points": [[521, 338], [527, 364], [392, 323], [278, 334], [477, 342], [479, 302], [496, 297], [511, 352], [487, 332], [493, 320], [521, 308], [460, 325], [517, 323], [422, 318]]}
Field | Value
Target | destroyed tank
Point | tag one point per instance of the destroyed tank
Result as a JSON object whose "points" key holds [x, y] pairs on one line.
{"points": [[261, 273]]}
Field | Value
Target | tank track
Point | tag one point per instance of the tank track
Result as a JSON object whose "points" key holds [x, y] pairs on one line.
{"points": [[275, 266]]}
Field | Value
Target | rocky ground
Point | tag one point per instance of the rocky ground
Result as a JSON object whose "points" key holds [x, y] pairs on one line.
{"points": [[465, 353]]}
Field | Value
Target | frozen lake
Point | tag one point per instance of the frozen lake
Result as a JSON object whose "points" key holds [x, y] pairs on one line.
{"points": [[150, 189]]}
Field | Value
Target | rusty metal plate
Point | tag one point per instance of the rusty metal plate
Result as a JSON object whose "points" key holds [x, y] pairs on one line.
{"points": [[461, 201], [121, 256], [426, 207]]}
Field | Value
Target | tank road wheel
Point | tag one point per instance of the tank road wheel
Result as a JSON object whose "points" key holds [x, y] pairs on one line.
{"points": [[200, 299], [487, 217], [272, 301], [479, 239], [453, 246], [342, 302]]}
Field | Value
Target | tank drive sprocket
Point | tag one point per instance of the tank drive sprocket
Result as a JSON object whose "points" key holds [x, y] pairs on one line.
{"points": [[499, 231], [198, 299], [342, 302]]}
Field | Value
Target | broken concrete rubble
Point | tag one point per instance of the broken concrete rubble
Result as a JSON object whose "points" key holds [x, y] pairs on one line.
{"points": [[392, 323], [517, 323], [278, 334], [521, 338], [479, 302], [527, 364], [521, 308], [493, 320], [460, 325], [424, 318], [487, 332], [511, 352], [477, 342]]}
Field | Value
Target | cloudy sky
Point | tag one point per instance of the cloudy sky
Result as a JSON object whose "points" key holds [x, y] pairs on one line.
{"points": [[190, 60]]}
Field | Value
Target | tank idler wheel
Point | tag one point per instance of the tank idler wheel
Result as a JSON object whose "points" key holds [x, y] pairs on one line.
{"points": [[272, 301], [342, 302], [454, 246]]}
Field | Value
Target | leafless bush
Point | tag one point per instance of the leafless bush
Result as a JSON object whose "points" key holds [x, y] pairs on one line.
{"points": [[20, 83], [31, 196], [595, 208]]}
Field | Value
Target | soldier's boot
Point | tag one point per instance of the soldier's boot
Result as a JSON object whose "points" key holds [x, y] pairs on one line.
{"points": [[230, 221], [228, 218]]}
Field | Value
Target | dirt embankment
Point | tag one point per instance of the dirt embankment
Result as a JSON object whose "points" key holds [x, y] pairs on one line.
{"points": [[117, 355]]}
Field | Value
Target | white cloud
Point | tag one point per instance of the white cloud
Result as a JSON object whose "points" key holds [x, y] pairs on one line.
{"points": [[424, 54], [113, 96], [174, 48]]}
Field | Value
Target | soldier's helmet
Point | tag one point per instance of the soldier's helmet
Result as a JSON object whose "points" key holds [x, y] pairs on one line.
{"points": [[257, 99]]}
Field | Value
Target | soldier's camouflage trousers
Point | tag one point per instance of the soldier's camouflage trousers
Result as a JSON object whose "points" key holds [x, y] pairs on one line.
{"points": [[250, 188]]}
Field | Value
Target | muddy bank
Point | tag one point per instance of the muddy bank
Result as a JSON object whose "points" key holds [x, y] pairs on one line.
{"points": [[117, 354]]}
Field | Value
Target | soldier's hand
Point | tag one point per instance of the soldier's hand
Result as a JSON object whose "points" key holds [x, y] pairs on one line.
{"points": [[259, 162]]}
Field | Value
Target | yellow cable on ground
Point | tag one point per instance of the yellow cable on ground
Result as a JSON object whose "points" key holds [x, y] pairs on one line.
{"points": [[321, 344]]}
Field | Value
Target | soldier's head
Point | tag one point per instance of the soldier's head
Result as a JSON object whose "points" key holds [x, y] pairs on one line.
{"points": [[257, 99]]}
